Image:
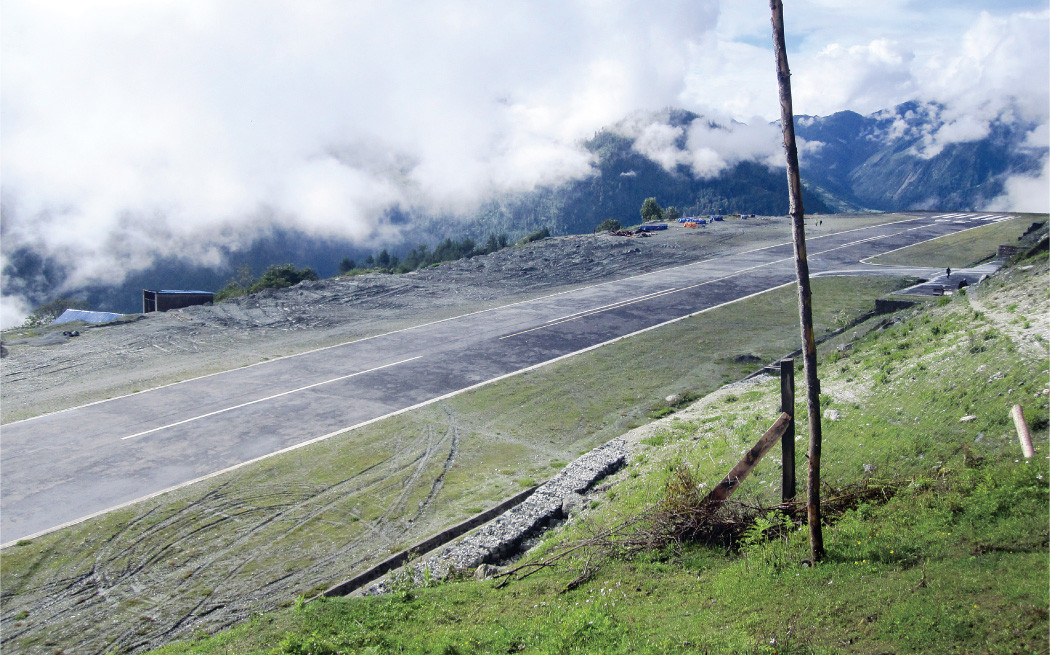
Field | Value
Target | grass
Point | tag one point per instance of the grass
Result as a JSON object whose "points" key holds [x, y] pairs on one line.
{"points": [[960, 249], [259, 537], [949, 556], [372, 492]]}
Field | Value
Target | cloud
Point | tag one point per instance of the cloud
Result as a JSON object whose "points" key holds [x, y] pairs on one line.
{"points": [[1025, 193], [132, 129], [865, 78], [970, 71], [13, 311], [176, 127], [716, 146], [1000, 62], [999, 71], [708, 145], [659, 142]]}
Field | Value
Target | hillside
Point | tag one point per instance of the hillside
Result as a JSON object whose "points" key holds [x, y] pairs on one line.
{"points": [[624, 177], [936, 526], [214, 553], [210, 555], [891, 160]]}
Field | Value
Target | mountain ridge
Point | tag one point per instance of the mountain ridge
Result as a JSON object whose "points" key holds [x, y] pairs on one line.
{"points": [[912, 157]]}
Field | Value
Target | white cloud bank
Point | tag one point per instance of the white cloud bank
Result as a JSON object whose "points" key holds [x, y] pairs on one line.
{"points": [[131, 128], [708, 145]]}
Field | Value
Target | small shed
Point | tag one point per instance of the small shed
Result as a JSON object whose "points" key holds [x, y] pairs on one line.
{"points": [[161, 300]]}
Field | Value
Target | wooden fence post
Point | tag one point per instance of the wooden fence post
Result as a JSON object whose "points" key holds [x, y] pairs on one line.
{"points": [[1022, 432], [787, 443]]}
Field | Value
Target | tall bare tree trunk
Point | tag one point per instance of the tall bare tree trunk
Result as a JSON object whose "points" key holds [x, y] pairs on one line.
{"points": [[805, 295]]}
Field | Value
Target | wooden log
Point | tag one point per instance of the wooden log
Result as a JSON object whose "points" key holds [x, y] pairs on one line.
{"points": [[1022, 431], [743, 468], [805, 294]]}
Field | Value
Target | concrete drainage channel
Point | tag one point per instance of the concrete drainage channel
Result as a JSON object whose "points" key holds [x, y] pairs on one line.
{"points": [[506, 529]]}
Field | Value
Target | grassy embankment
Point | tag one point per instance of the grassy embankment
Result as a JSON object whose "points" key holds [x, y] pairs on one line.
{"points": [[948, 557], [215, 543], [267, 522]]}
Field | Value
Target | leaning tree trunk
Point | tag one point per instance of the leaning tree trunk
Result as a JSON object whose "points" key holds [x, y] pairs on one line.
{"points": [[805, 295]]}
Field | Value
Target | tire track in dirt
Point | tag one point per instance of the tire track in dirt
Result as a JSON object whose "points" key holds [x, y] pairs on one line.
{"points": [[446, 466], [136, 557]]}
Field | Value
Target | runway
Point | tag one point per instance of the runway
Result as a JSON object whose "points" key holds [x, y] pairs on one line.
{"points": [[64, 467]]}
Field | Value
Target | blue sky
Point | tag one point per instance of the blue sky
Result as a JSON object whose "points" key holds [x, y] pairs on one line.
{"points": [[193, 122]]}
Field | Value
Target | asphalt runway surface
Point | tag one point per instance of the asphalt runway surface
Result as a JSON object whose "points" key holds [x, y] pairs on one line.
{"points": [[62, 468]]}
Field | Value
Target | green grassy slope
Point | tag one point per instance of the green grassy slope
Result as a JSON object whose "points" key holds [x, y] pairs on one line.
{"points": [[942, 547], [255, 538]]}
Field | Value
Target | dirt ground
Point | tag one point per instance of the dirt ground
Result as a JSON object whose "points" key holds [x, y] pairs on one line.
{"points": [[44, 371]]}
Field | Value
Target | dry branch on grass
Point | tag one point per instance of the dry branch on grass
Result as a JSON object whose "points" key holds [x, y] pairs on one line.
{"points": [[681, 517]]}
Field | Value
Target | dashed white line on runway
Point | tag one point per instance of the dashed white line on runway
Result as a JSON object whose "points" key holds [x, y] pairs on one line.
{"points": [[260, 400]]}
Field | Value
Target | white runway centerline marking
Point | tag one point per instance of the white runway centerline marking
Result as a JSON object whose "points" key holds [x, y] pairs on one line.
{"points": [[260, 400]]}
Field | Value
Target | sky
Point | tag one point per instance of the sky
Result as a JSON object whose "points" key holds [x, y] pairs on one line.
{"points": [[128, 127]]}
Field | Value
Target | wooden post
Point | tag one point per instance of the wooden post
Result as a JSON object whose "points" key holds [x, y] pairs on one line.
{"points": [[787, 444], [1022, 431], [743, 468], [805, 295]]}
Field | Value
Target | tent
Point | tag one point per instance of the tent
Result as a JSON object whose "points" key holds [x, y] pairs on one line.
{"points": [[87, 316]]}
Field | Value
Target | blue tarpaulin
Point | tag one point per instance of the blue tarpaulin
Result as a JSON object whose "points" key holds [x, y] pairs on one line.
{"points": [[86, 316]]}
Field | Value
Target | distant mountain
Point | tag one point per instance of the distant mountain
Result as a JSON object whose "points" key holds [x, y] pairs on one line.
{"points": [[888, 161], [902, 159], [625, 178]]}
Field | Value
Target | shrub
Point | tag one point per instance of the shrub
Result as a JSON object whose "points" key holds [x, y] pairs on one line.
{"points": [[536, 236], [282, 276], [44, 314], [651, 210], [233, 289], [608, 225]]}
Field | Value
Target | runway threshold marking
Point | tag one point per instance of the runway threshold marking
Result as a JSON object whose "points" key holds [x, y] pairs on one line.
{"points": [[260, 400], [867, 260]]}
